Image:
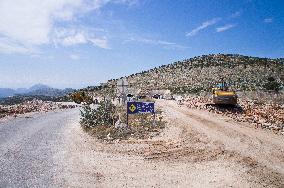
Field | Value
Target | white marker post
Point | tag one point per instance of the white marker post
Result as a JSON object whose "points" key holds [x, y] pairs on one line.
{"points": [[122, 87]]}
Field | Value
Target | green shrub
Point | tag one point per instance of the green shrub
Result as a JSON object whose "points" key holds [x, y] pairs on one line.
{"points": [[103, 114], [272, 85]]}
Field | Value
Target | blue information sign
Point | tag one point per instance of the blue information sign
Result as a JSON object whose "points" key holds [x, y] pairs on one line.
{"points": [[140, 107]]}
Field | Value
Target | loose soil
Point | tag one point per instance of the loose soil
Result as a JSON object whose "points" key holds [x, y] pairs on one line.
{"points": [[196, 149]]}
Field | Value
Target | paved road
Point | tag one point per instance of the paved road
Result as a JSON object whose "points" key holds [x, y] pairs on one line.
{"points": [[27, 147]]}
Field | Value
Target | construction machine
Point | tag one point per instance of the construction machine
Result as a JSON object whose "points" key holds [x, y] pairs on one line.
{"points": [[222, 95]]}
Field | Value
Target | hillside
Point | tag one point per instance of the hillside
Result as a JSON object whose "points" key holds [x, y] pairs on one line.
{"points": [[201, 73]]}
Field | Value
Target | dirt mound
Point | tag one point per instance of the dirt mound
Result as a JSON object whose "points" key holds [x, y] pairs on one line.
{"points": [[269, 116]]}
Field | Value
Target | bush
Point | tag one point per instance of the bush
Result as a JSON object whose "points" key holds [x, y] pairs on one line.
{"points": [[80, 97], [272, 85], [102, 114]]}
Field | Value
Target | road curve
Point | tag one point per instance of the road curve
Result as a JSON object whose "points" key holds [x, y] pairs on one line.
{"points": [[27, 147]]}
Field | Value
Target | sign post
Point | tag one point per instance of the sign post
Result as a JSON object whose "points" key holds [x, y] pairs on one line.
{"points": [[140, 108], [127, 115], [122, 86]]}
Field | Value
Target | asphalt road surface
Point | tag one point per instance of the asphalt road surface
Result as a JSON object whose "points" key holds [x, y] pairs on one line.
{"points": [[27, 147]]}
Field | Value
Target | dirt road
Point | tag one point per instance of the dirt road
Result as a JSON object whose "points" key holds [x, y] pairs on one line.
{"points": [[196, 149]]}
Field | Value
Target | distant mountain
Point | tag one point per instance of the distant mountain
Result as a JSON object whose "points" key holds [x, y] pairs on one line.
{"points": [[6, 92], [35, 90], [21, 90], [38, 87], [47, 91]]}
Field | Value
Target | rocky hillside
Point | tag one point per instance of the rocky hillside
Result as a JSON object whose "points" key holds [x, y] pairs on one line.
{"points": [[202, 72]]}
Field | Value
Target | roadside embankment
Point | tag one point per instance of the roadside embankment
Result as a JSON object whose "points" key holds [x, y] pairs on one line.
{"points": [[32, 106], [264, 115]]}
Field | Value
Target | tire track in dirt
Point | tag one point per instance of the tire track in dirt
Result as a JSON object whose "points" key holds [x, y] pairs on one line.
{"points": [[220, 141]]}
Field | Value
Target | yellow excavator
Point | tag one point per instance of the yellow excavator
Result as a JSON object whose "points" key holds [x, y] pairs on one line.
{"points": [[222, 95]]}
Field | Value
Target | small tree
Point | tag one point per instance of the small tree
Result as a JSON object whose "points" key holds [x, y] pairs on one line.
{"points": [[272, 85]]}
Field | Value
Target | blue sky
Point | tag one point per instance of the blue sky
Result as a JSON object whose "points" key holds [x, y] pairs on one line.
{"points": [[76, 43]]}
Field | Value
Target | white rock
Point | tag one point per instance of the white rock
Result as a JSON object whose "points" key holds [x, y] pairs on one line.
{"points": [[119, 124], [108, 136]]}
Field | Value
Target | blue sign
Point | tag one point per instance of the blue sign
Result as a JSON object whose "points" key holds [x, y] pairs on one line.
{"points": [[140, 107]]}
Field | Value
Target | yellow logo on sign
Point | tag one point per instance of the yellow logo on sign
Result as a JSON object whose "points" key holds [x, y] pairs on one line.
{"points": [[132, 107]]}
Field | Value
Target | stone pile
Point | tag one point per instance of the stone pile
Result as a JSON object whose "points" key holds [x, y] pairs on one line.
{"points": [[197, 102], [270, 116], [31, 106]]}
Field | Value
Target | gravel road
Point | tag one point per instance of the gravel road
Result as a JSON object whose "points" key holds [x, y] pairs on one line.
{"points": [[196, 149]]}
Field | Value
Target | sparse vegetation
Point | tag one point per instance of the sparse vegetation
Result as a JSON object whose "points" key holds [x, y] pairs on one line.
{"points": [[200, 73], [99, 121], [196, 76]]}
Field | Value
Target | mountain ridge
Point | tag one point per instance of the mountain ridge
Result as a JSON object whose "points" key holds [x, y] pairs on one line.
{"points": [[37, 89]]}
